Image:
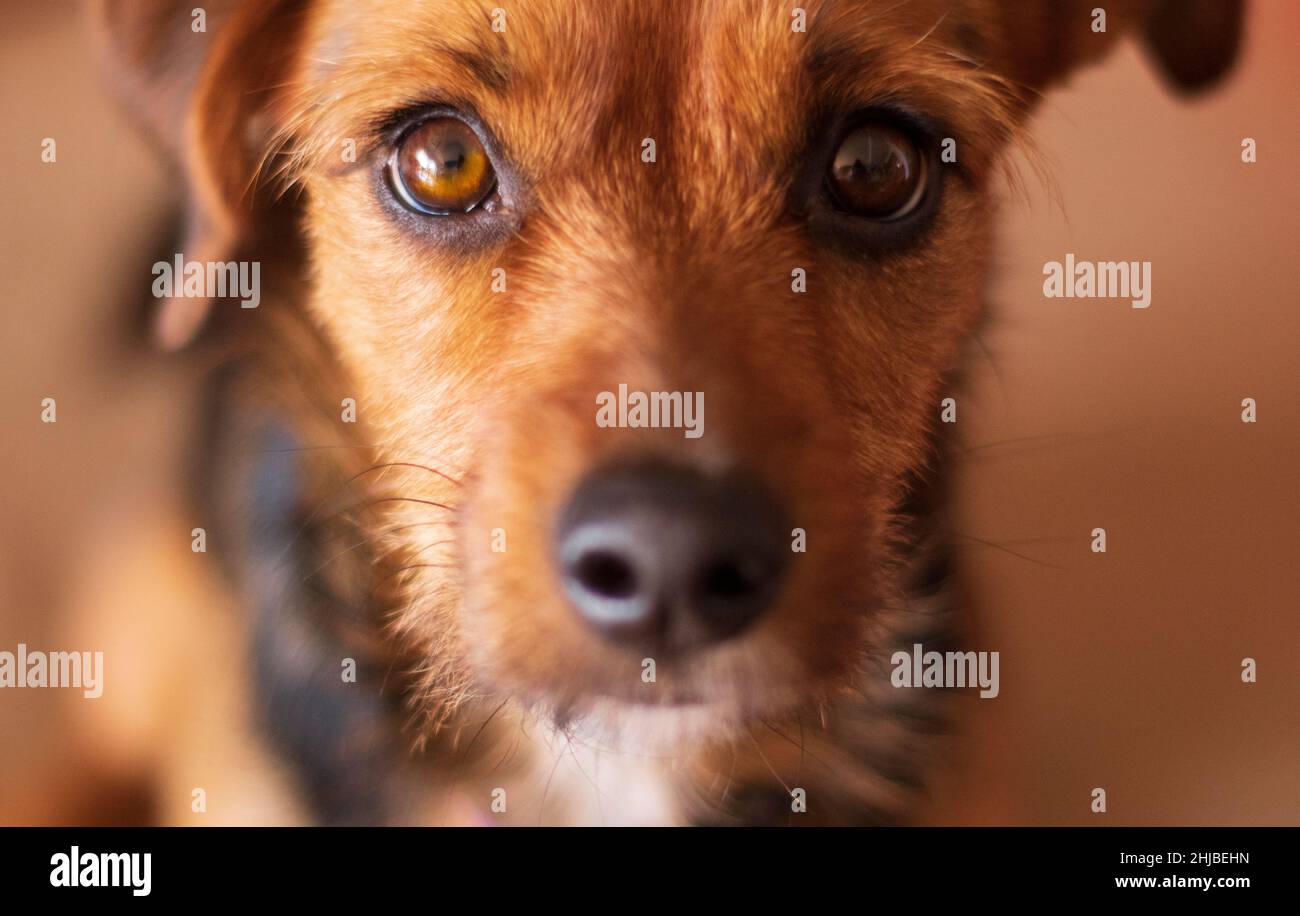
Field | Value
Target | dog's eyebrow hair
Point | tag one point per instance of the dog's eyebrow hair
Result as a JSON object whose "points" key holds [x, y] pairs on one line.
{"points": [[304, 142], [489, 67], [828, 58]]}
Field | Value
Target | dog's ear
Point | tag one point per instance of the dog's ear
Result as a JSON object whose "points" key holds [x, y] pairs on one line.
{"points": [[1193, 42], [203, 80]]}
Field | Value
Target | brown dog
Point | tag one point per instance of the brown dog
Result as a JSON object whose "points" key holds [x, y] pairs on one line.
{"points": [[482, 224]]}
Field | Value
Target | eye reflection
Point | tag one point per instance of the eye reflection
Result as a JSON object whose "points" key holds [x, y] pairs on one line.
{"points": [[877, 173], [440, 168]]}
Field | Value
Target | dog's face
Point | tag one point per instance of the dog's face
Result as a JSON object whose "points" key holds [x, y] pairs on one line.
{"points": [[787, 211], [797, 250]]}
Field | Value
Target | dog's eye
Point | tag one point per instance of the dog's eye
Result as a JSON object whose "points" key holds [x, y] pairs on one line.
{"points": [[439, 168], [877, 173]]}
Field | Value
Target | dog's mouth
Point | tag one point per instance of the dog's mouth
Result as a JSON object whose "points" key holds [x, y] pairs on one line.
{"points": [[681, 595], [632, 726]]}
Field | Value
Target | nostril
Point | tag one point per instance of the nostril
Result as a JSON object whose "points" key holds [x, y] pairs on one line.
{"points": [[664, 553], [606, 574], [731, 577]]}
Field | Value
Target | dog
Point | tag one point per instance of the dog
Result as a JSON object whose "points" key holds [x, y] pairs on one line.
{"points": [[482, 582]]}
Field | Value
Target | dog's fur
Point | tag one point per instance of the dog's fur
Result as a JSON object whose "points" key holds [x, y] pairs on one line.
{"points": [[371, 540]]}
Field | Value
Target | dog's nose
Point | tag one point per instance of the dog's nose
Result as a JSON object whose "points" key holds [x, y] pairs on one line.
{"points": [[658, 555]]}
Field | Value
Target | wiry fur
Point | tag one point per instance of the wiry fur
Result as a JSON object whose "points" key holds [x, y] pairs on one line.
{"points": [[476, 408]]}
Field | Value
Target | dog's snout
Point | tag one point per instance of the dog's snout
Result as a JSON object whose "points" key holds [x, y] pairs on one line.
{"points": [[658, 555]]}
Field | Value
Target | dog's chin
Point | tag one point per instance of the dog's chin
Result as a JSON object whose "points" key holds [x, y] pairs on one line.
{"points": [[714, 697]]}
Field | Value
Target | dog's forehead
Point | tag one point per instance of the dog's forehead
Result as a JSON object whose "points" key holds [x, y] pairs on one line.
{"points": [[749, 55], [728, 90], [556, 33]]}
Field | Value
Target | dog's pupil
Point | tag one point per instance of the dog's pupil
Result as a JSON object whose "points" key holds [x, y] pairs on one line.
{"points": [[453, 159], [875, 172], [441, 168]]}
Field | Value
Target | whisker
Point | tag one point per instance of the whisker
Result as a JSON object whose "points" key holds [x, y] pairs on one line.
{"points": [[600, 807], [798, 744], [1101, 436], [761, 756], [405, 464], [1001, 442], [798, 776], [341, 553], [482, 727], [509, 754], [1055, 539], [369, 540], [541, 810], [1008, 550], [433, 544], [979, 343], [395, 528], [412, 499], [308, 448], [407, 568]]}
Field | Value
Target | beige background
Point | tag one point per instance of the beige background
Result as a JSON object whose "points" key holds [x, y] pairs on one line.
{"points": [[1120, 671]]}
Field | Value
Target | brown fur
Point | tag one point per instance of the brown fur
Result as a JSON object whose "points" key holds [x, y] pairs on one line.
{"points": [[674, 275]]}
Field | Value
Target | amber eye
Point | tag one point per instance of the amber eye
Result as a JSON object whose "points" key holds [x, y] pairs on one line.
{"points": [[440, 168], [878, 173]]}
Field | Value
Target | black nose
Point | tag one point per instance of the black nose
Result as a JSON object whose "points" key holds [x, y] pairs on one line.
{"points": [[661, 555]]}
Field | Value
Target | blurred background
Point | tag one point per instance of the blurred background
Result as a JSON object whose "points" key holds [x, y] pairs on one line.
{"points": [[1120, 671]]}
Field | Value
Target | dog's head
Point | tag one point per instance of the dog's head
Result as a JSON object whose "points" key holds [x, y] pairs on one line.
{"points": [[657, 299]]}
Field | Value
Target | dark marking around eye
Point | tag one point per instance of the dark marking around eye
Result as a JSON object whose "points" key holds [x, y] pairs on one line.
{"points": [[488, 70]]}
